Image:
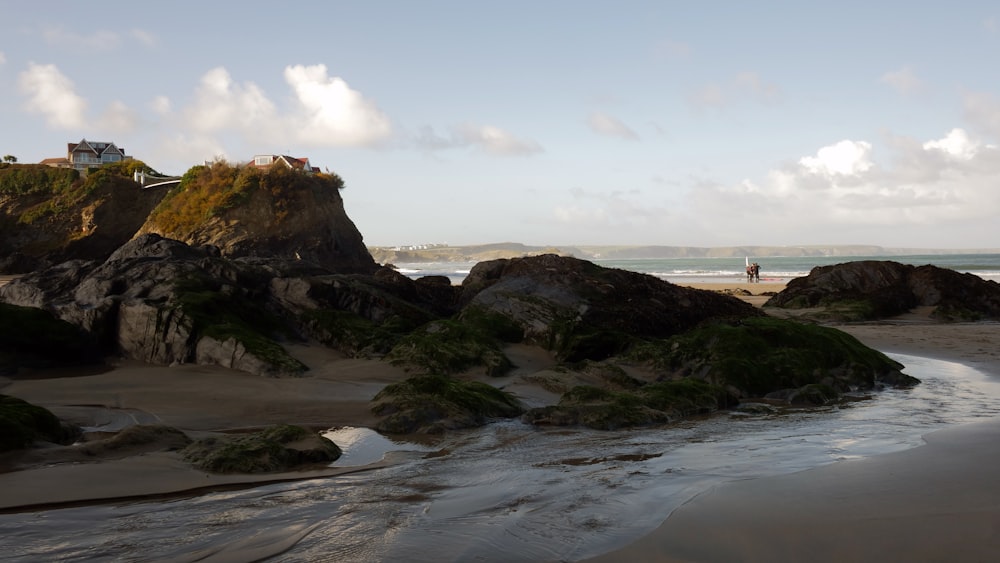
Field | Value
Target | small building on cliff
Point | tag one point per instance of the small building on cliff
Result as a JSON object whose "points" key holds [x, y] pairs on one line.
{"points": [[265, 161], [88, 154]]}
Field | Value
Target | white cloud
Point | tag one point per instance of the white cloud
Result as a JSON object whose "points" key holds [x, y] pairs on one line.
{"points": [[494, 140], [610, 126], [100, 40], [745, 86], [617, 209], [221, 105], [843, 158], [161, 105], [750, 84], [956, 144], [983, 110], [941, 183], [904, 80], [52, 94], [330, 113], [119, 118], [3, 58], [142, 36]]}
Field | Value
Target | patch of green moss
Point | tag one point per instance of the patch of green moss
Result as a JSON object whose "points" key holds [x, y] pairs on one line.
{"points": [[261, 452], [354, 334], [31, 337], [434, 402], [492, 323], [225, 312], [604, 409], [450, 346], [21, 423], [760, 355]]}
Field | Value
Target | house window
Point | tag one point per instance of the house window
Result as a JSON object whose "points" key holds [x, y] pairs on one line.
{"points": [[263, 160]]}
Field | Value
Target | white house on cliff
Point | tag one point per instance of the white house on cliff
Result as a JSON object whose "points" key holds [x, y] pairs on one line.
{"points": [[88, 154]]}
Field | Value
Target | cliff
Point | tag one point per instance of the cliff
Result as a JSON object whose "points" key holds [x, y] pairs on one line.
{"points": [[49, 215]]}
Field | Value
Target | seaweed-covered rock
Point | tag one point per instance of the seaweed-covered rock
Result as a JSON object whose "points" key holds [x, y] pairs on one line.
{"points": [[34, 338], [434, 403], [584, 311], [654, 403], [758, 356], [22, 423], [874, 289], [448, 347], [278, 448]]}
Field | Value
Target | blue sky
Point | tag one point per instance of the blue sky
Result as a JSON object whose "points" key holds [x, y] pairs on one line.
{"points": [[548, 123]]}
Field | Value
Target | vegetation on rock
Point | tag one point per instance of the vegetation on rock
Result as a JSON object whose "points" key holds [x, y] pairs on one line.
{"points": [[757, 356], [278, 448], [654, 403], [450, 346], [433, 403], [31, 337], [22, 423], [226, 312]]}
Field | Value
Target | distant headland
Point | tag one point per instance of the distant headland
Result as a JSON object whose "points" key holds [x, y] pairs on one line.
{"points": [[476, 253]]}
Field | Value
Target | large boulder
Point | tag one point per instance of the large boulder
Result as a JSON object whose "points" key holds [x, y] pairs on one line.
{"points": [[164, 302], [584, 311], [874, 289]]}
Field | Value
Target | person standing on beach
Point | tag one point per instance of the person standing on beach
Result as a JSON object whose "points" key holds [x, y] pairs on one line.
{"points": [[756, 272]]}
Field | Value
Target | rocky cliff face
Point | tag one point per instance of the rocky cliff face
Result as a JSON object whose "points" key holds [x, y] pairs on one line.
{"points": [[50, 216], [275, 214]]}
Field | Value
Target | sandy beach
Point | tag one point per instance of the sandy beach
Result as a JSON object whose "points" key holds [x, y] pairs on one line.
{"points": [[933, 503]]}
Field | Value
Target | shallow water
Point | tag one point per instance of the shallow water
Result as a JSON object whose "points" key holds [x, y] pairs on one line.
{"points": [[507, 492]]}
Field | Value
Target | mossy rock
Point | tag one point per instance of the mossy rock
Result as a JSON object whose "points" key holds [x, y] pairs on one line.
{"points": [[655, 403], [758, 356], [139, 438], [225, 312], [31, 337], [450, 346], [435, 403], [22, 423], [278, 448], [353, 334]]}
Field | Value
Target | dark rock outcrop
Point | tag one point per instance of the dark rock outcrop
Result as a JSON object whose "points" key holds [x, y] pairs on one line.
{"points": [[584, 311], [873, 289], [279, 448]]}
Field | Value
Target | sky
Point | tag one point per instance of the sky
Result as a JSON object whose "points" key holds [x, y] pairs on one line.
{"points": [[547, 122]]}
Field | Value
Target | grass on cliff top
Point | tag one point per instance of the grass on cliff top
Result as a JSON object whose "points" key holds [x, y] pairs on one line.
{"points": [[63, 188], [208, 191]]}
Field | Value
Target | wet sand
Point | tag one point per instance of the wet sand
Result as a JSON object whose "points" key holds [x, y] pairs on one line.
{"points": [[937, 502]]}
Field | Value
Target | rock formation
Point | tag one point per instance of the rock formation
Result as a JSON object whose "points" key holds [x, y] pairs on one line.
{"points": [[873, 289]]}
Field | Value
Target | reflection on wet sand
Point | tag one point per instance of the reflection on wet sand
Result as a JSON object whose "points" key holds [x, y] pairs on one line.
{"points": [[508, 492]]}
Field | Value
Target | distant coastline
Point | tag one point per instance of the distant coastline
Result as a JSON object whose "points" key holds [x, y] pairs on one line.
{"points": [[493, 251]]}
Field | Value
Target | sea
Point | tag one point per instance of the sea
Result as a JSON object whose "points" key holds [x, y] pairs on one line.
{"points": [[773, 269]]}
